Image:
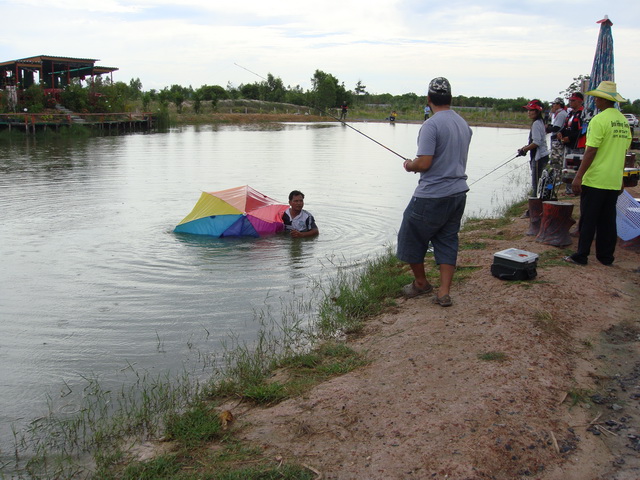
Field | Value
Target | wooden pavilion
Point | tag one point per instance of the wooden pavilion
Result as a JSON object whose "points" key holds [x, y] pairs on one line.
{"points": [[52, 72]]}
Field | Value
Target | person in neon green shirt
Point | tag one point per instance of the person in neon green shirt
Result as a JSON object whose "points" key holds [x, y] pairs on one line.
{"points": [[599, 178]]}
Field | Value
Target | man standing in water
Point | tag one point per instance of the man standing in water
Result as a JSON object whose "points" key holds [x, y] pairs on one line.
{"points": [[298, 222], [435, 211]]}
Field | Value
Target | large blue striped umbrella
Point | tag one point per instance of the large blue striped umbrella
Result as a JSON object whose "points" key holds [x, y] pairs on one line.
{"points": [[602, 68]]}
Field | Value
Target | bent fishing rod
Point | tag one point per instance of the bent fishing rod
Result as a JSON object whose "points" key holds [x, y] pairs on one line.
{"points": [[336, 118]]}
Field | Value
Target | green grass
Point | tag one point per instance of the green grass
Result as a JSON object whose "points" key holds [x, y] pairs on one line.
{"points": [[493, 356], [553, 258], [463, 273], [286, 472], [332, 359], [473, 245], [580, 396], [161, 467], [416, 115], [516, 209], [357, 294], [299, 372], [265, 393], [200, 423], [181, 466], [474, 224]]}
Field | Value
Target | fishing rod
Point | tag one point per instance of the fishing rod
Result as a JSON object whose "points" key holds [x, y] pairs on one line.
{"points": [[498, 167], [336, 118]]}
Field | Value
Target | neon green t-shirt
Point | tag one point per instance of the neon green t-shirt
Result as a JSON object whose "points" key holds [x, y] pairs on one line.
{"points": [[609, 132]]}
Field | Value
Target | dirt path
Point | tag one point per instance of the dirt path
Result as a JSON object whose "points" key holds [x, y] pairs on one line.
{"points": [[563, 404]]}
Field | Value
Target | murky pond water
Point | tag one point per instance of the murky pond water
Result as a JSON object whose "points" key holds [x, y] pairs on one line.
{"points": [[93, 278]]}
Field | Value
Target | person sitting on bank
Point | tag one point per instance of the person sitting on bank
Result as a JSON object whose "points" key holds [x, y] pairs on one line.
{"points": [[297, 221]]}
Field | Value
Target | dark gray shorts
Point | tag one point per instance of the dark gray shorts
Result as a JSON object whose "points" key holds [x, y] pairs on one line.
{"points": [[435, 220]]}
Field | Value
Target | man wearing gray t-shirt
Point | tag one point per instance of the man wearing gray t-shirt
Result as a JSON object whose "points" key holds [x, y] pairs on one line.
{"points": [[435, 211]]}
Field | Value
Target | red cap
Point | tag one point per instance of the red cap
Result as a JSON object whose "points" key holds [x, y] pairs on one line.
{"points": [[533, 105], [576, 96]]}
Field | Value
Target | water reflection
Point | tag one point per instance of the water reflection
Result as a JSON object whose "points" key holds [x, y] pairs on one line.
{"points": [[300, 249]]}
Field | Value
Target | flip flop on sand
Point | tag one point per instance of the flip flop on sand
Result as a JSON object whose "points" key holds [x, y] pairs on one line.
{"points": [[443, 301], [570, 259], [410, 290]]}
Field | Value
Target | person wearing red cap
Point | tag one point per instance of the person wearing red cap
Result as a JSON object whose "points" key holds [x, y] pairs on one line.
{"points": [[537, 146], [571, 135]]}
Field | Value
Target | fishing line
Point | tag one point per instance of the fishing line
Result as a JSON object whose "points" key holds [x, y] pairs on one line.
{"points": [[256, 74], [518, 167], [336, 118], [498, 167], [361, 133]]}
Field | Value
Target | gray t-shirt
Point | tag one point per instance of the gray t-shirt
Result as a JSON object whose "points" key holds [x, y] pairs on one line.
{"points": [[538, 136], [446, 136], [559, 119]]}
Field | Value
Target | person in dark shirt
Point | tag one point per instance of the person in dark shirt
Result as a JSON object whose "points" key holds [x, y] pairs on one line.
{"points": [[572, 135], [343, 111]]}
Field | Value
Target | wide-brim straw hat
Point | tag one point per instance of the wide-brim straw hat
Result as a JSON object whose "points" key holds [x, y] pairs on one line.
{"points": [[607, 90]]}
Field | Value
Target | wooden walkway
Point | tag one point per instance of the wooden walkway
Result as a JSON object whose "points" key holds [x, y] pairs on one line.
{"points": [[105, 123]]}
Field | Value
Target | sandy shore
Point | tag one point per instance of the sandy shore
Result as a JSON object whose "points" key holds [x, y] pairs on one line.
{"points": [[564, 402]]}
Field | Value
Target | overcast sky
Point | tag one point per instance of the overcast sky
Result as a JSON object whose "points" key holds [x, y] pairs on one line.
{"points": [[495, 48]]}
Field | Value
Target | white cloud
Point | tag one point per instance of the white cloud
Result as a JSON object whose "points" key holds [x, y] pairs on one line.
{"points": [[488, 48]]}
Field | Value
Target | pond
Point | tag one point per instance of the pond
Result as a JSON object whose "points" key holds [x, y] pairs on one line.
{"points": [[95, 280]]}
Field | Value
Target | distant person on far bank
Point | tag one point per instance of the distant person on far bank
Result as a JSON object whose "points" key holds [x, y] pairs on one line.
{"points": [[343, 111], [435, 210], [427, 112], [297, 221], [599, 177]]}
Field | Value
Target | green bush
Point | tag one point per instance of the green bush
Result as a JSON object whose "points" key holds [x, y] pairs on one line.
{"points": [[75, 98], [33, 99]]}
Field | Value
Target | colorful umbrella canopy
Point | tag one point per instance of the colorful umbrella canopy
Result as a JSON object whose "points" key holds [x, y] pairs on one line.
{"points": [[602, 68], [235, 212]]}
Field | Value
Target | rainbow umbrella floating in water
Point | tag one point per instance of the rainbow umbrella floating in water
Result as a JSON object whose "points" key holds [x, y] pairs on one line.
{"points": [[235, 212]]}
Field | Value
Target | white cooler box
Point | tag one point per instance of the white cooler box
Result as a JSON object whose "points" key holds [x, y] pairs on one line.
{"points": [[514, 264]]}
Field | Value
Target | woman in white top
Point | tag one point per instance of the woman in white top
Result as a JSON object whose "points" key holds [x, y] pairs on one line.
{"points": [[537, 146]]}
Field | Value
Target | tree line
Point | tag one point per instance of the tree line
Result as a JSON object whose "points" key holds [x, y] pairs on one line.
{"points": [[326, 92]]}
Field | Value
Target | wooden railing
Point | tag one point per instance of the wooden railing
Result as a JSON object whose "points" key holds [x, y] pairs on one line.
{"points": [[67, 119]]}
